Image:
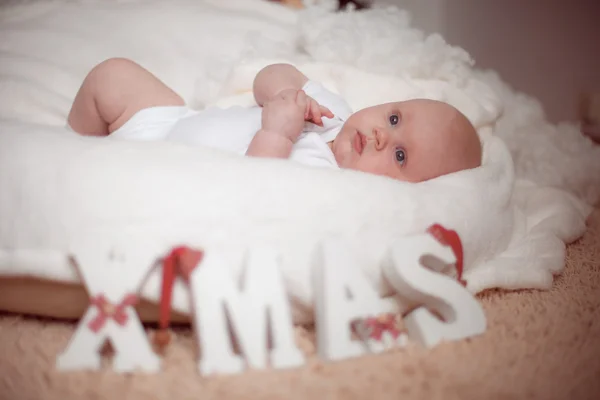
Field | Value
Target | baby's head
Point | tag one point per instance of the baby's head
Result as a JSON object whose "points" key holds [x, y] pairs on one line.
{"points": [[411, 141]]}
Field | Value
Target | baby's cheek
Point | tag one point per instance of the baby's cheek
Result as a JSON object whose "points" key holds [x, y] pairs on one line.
{"points": [[373, 165], [384, 167], [344, 155]]}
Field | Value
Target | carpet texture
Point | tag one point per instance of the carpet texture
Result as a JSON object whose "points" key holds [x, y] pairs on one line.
{"points": [[539, 345]]}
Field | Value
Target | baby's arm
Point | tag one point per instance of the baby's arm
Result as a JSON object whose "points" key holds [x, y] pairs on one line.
{"points": [[282, 123], [274, 79], [278, 89]]}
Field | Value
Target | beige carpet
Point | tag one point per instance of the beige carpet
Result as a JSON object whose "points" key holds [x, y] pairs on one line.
{"points": [[539, 345]]}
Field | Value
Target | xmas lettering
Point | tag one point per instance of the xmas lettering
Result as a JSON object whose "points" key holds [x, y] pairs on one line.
{"points": [[350, 317]]}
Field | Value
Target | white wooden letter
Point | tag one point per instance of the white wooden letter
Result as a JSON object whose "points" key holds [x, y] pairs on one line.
{"points": [[342, 295], [463, 315], [262, 303], [112, 279]]}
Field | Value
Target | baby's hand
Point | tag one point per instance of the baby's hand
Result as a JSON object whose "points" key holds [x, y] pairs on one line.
{"points": [[284, 114], [314, 112]]}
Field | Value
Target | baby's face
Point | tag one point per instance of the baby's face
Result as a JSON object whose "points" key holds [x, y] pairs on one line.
{"points": [[411, 141]]}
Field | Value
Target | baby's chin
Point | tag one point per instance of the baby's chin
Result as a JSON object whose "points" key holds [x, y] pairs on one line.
{"points": [[343, 150], [345, 156]]}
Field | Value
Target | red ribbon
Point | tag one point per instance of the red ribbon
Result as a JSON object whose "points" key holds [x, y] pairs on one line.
{"points": [[107, 310], [181, 260], [450, 238]]}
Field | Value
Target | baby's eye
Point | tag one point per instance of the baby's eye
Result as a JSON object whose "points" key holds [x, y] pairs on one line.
{"points": [[400, 156], [394, 119]]}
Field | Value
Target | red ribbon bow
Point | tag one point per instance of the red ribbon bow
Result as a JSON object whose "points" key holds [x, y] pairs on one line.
{"points": [[107, 310], [375, 327]]}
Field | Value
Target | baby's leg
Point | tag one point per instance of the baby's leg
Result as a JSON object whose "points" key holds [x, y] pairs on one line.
{"points": [[113, 92]]}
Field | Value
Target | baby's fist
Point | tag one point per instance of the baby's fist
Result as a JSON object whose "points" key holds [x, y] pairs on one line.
{"points": [[284, 114]]}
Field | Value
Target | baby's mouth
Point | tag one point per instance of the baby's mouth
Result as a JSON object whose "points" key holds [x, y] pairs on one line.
{"points": [[359, 142]]}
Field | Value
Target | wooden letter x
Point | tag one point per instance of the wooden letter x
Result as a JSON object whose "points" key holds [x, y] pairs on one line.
{"points": [[113, 279]]}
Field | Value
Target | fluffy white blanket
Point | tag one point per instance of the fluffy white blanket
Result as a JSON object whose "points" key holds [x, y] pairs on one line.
{"points": [[55, 186]]}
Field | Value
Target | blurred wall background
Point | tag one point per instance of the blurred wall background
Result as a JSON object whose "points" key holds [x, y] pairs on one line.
{"points": [[546, 48]]}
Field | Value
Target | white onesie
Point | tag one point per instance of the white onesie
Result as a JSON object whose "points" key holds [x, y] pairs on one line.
{"points": [[232, 129]]}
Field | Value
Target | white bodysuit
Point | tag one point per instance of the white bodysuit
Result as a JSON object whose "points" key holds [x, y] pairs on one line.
{"points": [[232, 129]]}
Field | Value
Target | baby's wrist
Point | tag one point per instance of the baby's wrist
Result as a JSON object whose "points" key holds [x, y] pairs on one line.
{"points": [[267, 143], [278, 133]]}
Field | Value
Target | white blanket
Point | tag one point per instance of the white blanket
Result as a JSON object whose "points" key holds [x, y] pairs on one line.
{"points": [[55, 186]]}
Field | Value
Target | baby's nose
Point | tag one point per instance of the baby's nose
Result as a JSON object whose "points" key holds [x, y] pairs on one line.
{"points": [[381, 138]]}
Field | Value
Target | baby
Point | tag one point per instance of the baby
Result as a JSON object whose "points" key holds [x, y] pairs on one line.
{"points": [[299, 119]]}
